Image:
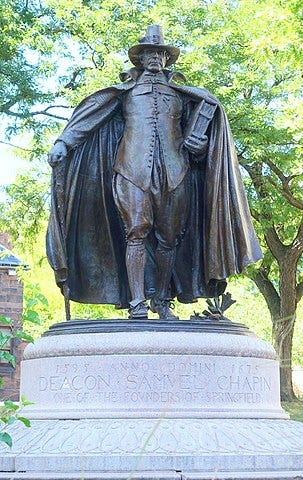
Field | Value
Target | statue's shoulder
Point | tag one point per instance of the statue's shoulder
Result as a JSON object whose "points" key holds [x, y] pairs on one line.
{"points": [[130, 75], [178, 81], [175, 77], [105, 95], [196, 93]]}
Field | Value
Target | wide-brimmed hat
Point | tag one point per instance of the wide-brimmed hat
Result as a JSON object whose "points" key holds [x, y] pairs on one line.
{"points": [[153, 38]]}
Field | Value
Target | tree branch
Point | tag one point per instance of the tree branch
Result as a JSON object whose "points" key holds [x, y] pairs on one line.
{"points": [[72, 84], [56, 106], [277, 248], [16, 146], [32, 114], [256, 215], [255, 173], [299, 291], [285, 180], [297, 244], [6, 106], [45, 112], [267, 288], [280, 80]]}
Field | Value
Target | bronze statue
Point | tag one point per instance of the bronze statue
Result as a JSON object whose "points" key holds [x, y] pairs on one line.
{"points": [[147, 199]]}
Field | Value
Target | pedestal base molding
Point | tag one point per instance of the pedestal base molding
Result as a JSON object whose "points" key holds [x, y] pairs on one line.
{"points": [[190, 449]]}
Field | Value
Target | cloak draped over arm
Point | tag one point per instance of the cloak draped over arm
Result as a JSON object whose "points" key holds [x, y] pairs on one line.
{"points": [[83, 220]]}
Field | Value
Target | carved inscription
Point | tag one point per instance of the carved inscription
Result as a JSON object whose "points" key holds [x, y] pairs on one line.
{"points": [[155, 381]]}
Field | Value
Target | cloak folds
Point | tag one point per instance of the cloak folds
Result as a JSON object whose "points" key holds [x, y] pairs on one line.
{"points": [[86, 239]]}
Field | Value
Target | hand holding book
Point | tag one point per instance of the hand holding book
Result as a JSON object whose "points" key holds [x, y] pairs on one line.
{"points": [[196, 140]]}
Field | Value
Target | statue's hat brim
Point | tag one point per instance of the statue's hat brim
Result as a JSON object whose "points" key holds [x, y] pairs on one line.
{"points": [[135, 51], [153, 39]]}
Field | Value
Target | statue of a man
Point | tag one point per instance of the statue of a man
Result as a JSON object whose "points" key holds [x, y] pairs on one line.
{"points": [[148, 202]]}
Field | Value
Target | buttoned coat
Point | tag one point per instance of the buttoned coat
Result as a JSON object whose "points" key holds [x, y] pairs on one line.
{"points": [[151, 109]]}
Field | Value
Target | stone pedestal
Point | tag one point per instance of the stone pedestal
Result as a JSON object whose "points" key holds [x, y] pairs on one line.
{"points": [[179, 401]]}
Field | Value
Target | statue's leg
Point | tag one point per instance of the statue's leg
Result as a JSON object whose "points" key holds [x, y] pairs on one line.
{"points": [[165, 261], [171, 214], [135, 264], [162, 303], [136, 212]]}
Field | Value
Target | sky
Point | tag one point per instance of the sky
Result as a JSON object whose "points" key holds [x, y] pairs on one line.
{"points": [[9, 164]]}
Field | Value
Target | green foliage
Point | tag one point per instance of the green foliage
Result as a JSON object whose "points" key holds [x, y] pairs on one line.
{"points": [[294, 409], [34, 302], [6, 438], [26, 206], [11, 412], [23, 61]]}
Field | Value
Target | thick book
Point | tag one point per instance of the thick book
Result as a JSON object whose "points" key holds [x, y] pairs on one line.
{"points": [[195, 133]]}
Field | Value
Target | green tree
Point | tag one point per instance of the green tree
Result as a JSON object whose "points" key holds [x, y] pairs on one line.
{"points": [[31, 76], [253, 61]]}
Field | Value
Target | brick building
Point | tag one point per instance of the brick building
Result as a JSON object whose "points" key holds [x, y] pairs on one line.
{"points": [[11, 303]]}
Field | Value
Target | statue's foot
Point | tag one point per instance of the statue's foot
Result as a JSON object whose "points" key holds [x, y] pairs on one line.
{"points": [[138, 311], [163, 309]]}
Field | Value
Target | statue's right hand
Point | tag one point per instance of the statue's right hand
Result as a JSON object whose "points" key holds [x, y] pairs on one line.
{"points": [[57, 154]]}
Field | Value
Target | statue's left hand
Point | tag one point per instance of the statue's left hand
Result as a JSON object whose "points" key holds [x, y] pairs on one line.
{"points": [[57, 154]]}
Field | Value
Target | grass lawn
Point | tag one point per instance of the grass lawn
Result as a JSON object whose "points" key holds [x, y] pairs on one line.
{"points": [[295, 410]]}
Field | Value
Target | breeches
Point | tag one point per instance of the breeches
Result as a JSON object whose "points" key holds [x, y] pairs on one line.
{"points": [[166, 212]]}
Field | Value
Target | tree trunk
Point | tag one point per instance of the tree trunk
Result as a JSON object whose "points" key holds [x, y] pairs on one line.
{"points": [[283, 326], [282, 307], [282, 333]]}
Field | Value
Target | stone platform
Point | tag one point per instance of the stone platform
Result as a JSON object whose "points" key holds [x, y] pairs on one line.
{"points": [[151, 400]]}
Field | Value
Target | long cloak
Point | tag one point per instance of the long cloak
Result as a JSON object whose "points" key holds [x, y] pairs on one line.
{"points": [[86, 238]]}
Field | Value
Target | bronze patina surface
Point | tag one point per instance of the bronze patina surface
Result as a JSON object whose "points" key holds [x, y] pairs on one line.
{"points": [[147, 198], [135, 325]]}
